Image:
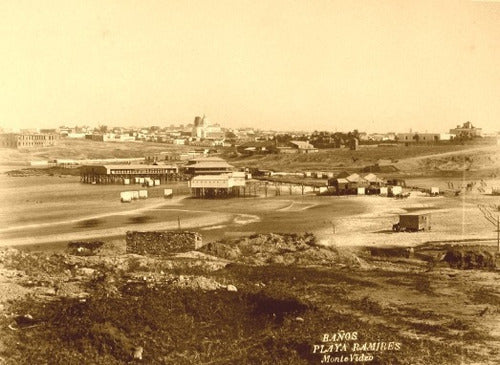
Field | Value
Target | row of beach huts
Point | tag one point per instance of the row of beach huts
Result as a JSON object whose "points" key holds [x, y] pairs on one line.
{"points": [[145, 181], [129, 196]]}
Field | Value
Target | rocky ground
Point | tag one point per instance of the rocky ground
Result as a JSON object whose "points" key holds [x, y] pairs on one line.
{"points": [[268, 298]]}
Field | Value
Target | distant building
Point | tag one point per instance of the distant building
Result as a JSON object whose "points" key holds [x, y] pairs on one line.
{"points": [[467, 130], [424, 137], [76, 135], [303, 146], [179, 141], [8, 140], [203, 129], [110, 137], [377, 137], [48, 131], [14, 140], [208, 166], [260, 147]]}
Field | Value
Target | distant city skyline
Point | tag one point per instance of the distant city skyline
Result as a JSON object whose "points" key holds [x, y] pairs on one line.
{"points": [[178, 126], [375, 66]]}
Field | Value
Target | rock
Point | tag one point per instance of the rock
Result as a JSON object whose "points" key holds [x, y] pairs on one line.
{"points": [[197, 282], [25, 320], [86, 271], [50, 291], [232, 288], [138, 353]]}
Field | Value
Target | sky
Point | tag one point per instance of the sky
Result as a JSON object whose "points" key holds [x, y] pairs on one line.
{"points": [[389, 65]]}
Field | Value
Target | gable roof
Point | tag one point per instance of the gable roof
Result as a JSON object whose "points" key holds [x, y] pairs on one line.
{"points": [[342, 174], [210, 164], [354, 178]]}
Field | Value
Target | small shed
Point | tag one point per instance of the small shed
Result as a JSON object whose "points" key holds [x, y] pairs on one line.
{"points": [[341, 185], [413, 222], [395, 190]]}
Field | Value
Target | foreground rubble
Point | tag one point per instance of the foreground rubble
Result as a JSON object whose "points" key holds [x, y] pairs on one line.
{"points": [[258, 299]]}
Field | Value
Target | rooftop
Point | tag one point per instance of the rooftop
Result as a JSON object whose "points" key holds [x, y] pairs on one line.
{"points": [[210, 177], [136, 166], [210, 164]]}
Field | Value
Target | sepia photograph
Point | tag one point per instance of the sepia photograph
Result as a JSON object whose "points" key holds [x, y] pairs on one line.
{"points": [[219, 182]]}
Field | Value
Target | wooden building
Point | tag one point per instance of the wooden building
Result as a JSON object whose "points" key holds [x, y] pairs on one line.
{"points": [[355, 184], [413, 222], [112, 174], [217, 186], [207, 166]]}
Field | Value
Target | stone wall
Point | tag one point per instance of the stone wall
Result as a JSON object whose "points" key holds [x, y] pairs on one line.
{"points": [[162, 242], [470, 259]]}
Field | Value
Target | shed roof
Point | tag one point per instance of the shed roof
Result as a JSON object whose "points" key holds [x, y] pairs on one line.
{"points": [[343, 174], [210, 164], [414, 214], [354, 178], [207, 159], [210, 177], [372, 178], [138, 167]]}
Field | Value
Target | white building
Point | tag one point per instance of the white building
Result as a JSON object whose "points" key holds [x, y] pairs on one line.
{"points": [[217, 186], [424, 137]]}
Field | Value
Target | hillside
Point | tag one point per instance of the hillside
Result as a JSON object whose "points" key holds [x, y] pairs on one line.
{"points": [[417, 159], [84, 149], [486, 159], [262, 299], [428, 159]]}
